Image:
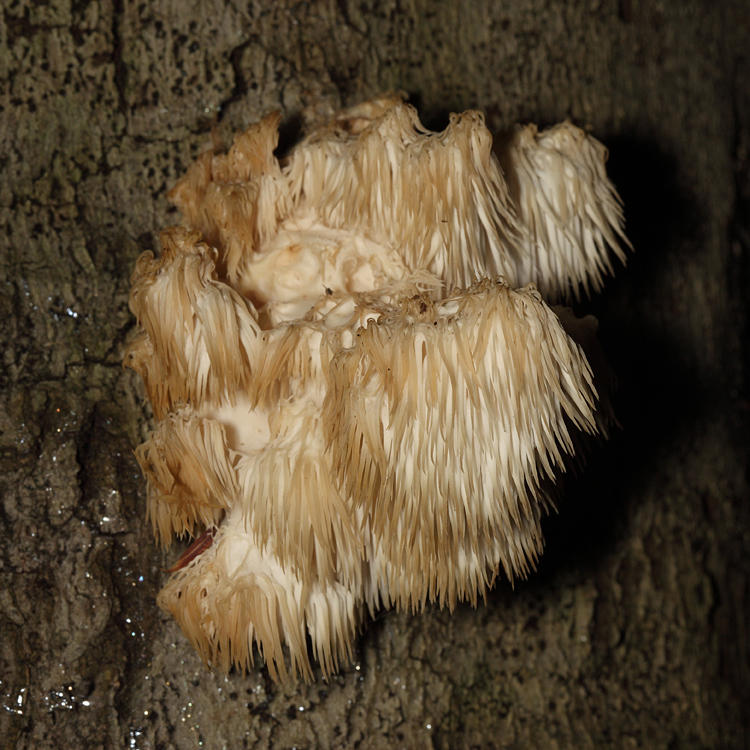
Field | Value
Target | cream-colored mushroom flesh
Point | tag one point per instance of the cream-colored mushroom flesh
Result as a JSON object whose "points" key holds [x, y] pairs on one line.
{"points": [[362, 398]]}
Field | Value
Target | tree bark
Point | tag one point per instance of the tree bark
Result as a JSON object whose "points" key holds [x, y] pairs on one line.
{"points": [[633, 632]]}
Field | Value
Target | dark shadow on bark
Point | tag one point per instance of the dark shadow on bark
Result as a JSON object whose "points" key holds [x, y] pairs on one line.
{"points": [[433, 118], [664, 389], [290, 134]]}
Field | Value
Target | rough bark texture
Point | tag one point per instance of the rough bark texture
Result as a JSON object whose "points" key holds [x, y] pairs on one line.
{"points": [[634, 632]]}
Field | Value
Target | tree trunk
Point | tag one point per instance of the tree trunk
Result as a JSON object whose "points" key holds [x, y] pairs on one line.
{"points": [[633, 632]]}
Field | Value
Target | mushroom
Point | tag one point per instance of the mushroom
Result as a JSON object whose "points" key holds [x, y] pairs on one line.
{"points": [[362, 399]]}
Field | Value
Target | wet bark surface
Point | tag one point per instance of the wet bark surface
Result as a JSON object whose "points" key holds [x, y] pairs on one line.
{"points": [[633, 632]]}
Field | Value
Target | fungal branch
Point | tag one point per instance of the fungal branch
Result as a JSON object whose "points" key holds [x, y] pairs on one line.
{"points": [[362, 396]]}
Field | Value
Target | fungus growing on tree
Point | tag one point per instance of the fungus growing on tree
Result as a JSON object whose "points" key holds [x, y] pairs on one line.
{"points": [[362, 398]]}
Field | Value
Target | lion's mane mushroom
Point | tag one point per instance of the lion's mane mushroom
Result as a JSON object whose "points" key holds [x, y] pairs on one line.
{"points": [[356, 406]]}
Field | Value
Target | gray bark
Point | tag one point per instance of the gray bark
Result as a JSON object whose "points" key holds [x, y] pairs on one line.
{"points": [[633, 632]]}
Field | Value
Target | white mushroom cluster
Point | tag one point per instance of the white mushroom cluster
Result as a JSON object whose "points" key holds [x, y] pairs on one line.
{"points": [[362, 398]]}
